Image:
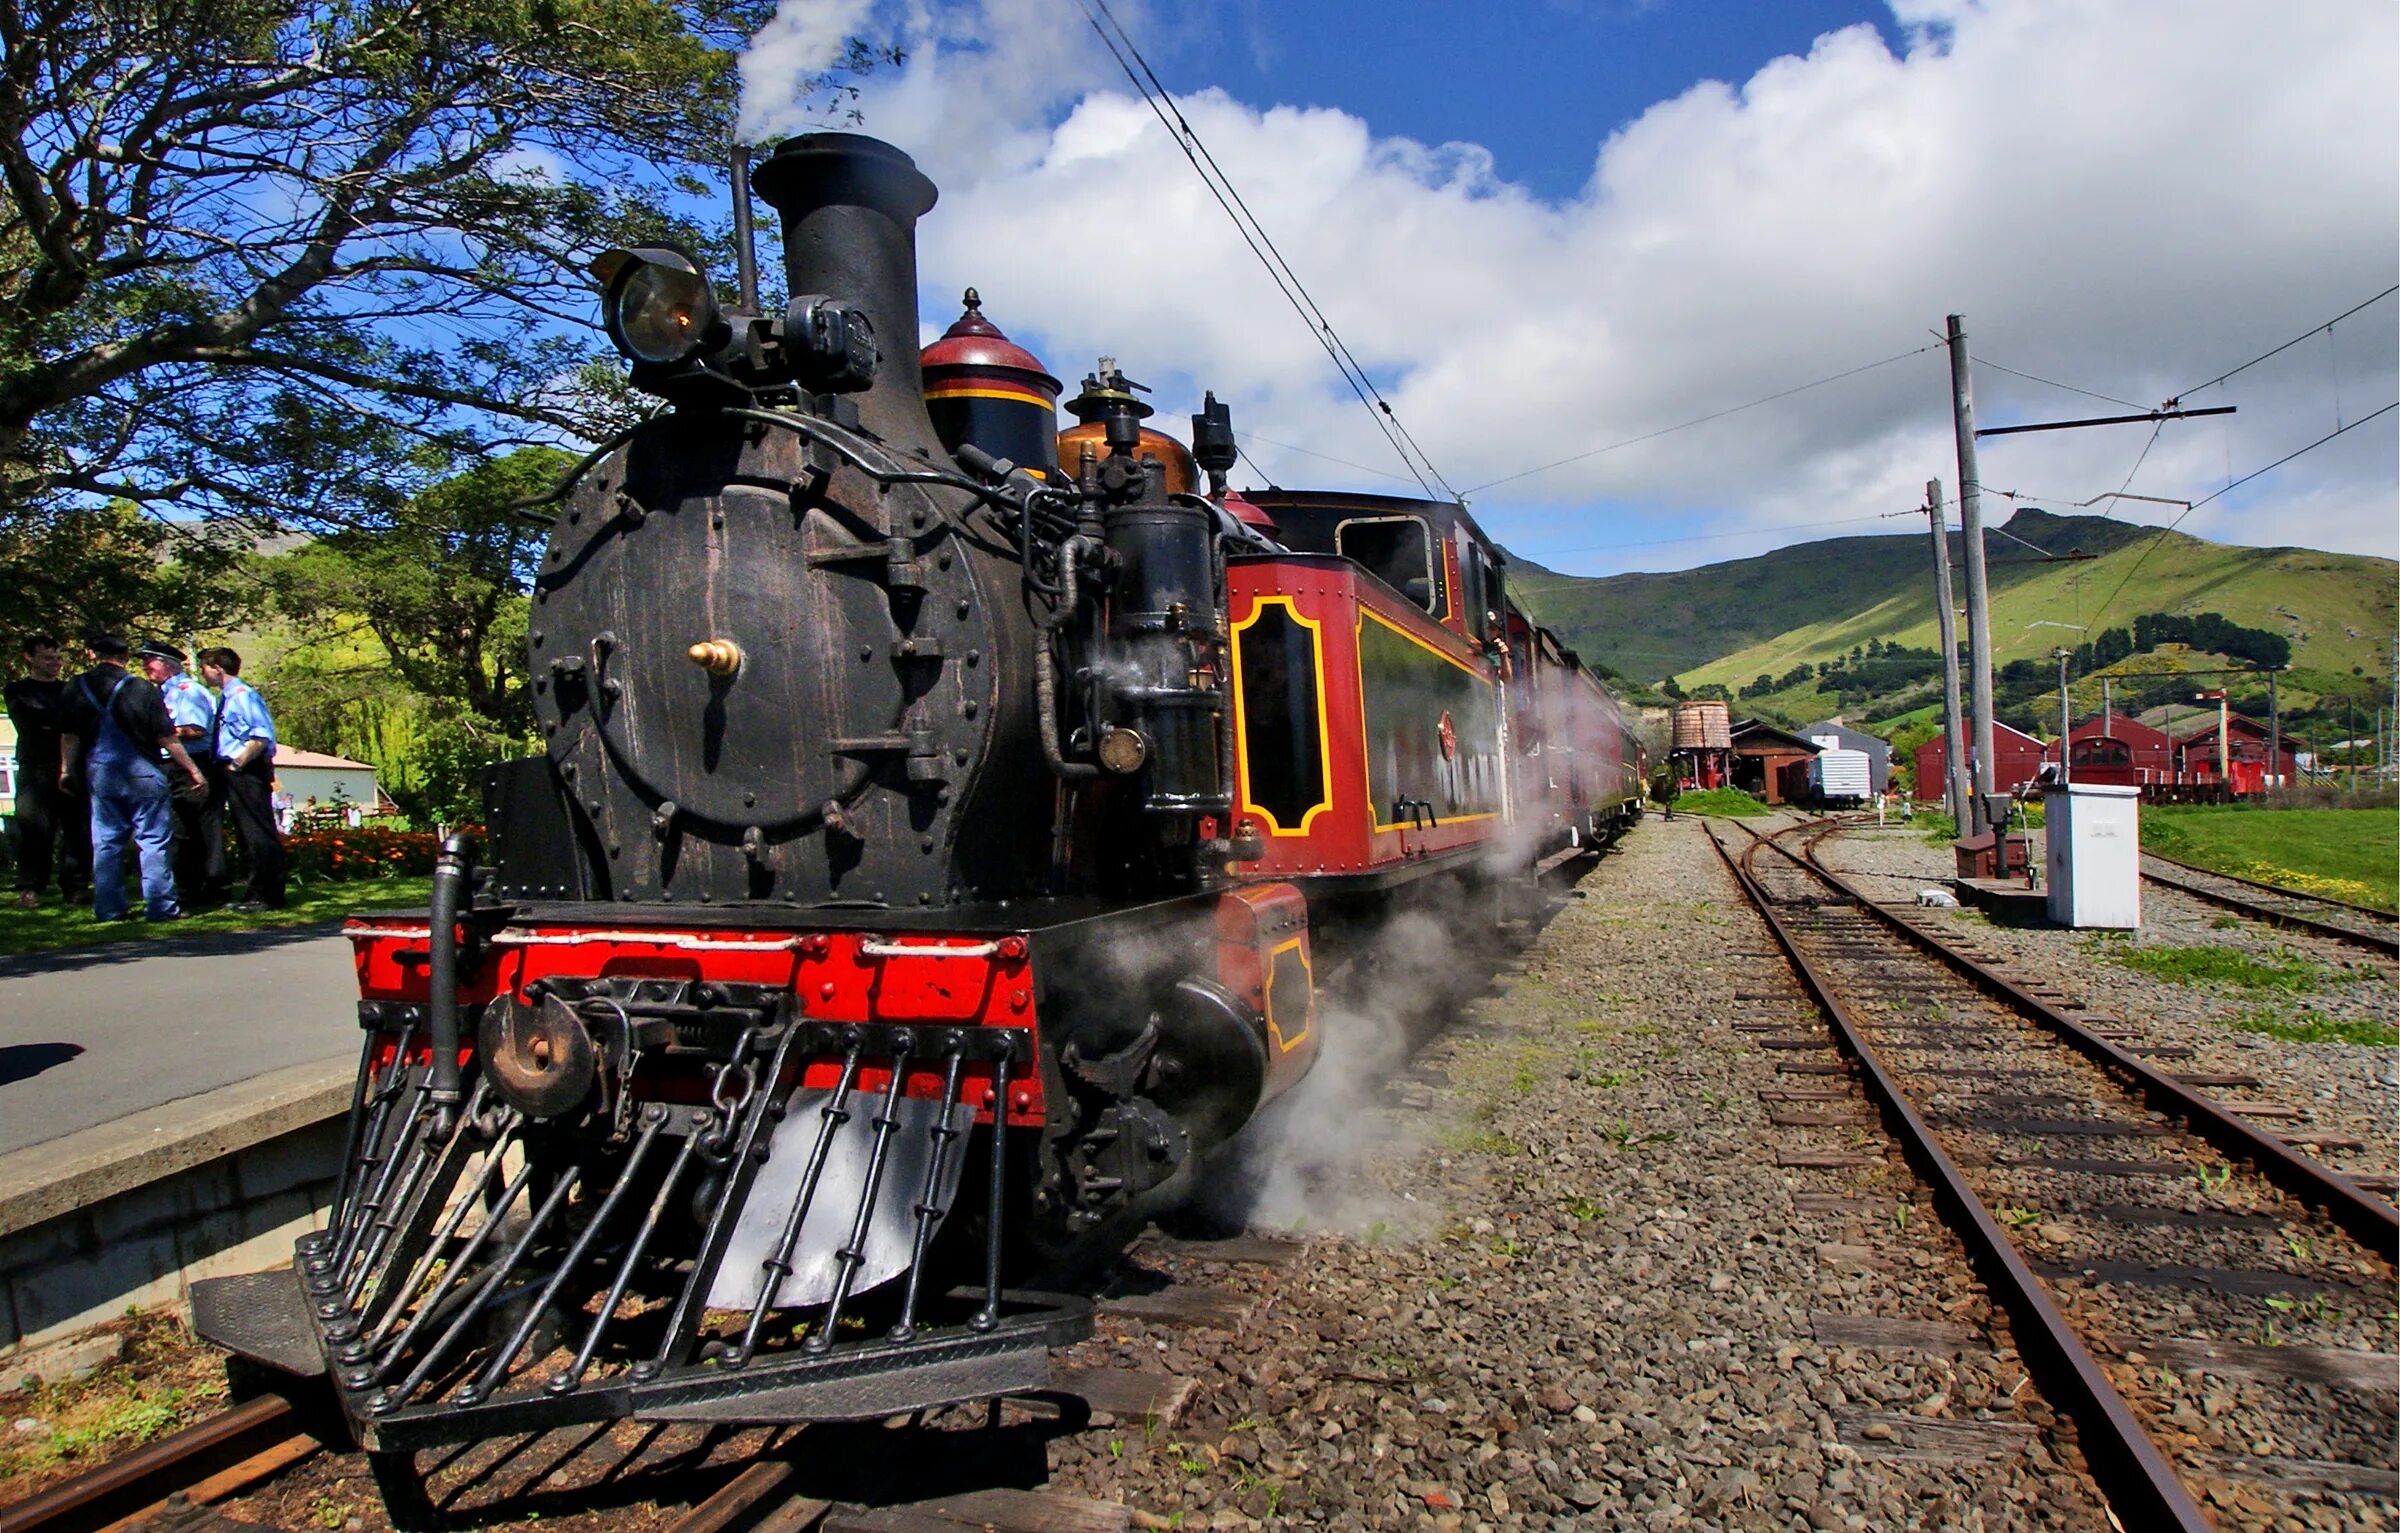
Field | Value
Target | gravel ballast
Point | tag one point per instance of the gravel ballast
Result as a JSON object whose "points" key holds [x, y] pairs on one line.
{"points": [[2347, 1093], [1556, 1276]]}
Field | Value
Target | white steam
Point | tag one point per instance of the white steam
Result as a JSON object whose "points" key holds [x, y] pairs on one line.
{"points": [[1306, 1161], [804, 39]]}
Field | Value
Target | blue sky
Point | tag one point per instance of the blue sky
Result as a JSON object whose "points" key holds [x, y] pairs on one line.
{"points": [[1540, 96], [1549, 227]]}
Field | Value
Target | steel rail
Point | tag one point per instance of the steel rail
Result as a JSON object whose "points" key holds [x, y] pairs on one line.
{"points": [[2365, 1217], [2296, 894], [2140, 1483], [741, 1500], [2386, 943], [149, 1474]]}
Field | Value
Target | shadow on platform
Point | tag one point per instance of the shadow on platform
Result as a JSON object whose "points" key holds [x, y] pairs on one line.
{"points": [[195, 945]]}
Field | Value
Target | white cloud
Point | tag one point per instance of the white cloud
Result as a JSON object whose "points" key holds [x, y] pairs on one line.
{"points": [[2131, 198]]}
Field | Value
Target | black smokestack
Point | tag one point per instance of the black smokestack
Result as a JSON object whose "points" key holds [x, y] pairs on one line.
{"points": [[850, 206]]}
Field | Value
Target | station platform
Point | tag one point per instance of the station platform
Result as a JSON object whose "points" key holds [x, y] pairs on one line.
{"points": [[94, 1035], [169, 1110]]}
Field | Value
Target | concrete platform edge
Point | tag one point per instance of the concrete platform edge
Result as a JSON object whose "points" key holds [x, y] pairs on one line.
{"points": [[60, 1176]]}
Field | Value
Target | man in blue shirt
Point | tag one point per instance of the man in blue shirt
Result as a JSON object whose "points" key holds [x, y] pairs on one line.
{"points": [[199, 815], [245, 745], [127, 728]]}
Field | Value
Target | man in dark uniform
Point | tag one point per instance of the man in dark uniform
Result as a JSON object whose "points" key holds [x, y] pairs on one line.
{"points": [[245, 748], [200, 877], [54, 826], [126, 724]]}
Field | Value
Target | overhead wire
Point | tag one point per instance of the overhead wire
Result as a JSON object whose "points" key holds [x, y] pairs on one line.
{"points": [[2288, 345], [2235, 485], [1702, 420], [1313, 453], [1254, 234], [2054, 383]]}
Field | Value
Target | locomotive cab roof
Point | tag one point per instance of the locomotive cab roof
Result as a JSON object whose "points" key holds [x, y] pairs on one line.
{"points": [[1430, 551]]}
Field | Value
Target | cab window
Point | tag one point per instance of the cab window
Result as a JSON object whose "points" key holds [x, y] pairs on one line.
{"points": [[1478, 589], [1397, 550]]}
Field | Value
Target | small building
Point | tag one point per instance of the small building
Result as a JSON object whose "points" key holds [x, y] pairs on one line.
{"points": [[2116, 750], [1769, 763], [333, 781], [1835, 734], [2017, 762], [2246, 742], [8, 768]]}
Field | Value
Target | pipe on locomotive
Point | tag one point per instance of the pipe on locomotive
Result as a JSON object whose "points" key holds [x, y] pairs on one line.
{"points": [[452, 871]]}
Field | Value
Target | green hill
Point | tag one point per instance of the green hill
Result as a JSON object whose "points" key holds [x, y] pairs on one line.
{"points": [[1811, 603]]}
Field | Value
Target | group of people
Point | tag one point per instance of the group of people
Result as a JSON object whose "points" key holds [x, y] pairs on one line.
{"points": [[153, 757]]}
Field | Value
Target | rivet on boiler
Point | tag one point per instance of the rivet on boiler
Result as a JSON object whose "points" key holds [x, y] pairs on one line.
{"points": [[718, 657]]}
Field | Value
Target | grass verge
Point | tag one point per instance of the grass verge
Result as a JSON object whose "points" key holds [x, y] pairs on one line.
{"points": [[2211, 965], [161, 1381], [2347, 854], [50, 928], [2311, 1028], [1725, 801]]}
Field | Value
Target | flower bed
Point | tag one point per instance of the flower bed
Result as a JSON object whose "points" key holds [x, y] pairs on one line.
{"points": [[328, 856]]}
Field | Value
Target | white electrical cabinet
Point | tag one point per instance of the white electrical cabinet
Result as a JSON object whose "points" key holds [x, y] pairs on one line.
{"points": [[2094, 855]]}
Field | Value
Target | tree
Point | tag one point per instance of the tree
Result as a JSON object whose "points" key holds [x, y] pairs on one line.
{"points": [[442, 586], [69, 572], [251, 243]]}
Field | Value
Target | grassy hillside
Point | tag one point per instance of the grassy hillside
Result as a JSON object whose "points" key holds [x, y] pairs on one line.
{"points": [[1837, 591], [1729, 623]]}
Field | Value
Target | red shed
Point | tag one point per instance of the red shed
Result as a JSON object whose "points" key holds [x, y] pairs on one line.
{"points": [[2246, 739], [1771, 763], [2018, 761], [2118, 751]]}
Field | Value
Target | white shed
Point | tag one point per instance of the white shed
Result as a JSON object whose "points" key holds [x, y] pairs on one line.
{"points": [[330, 780]]}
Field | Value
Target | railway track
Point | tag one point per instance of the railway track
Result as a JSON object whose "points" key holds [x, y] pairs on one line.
{"points": [[173, 1485], [831, 1479], [2142, 1236], [197, 1466], [2321, 915]]}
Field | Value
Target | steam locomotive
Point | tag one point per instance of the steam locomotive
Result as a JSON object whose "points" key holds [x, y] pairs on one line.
{"points": [[940, 821]]}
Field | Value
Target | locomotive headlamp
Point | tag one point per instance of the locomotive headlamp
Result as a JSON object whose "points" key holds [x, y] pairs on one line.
{"points": [[659, 307]]}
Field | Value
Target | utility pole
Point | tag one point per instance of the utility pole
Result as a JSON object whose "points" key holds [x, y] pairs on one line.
{"points": [[2274, 735], [1970, 521], [2108, 731], [2062, 655], [1954, 734], [2225, 738]]}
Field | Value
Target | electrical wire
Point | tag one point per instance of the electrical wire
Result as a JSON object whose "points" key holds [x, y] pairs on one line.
{"points": [[2054, 383], [1702, 420], [1161, 102], [1313, 453], [2237, 484], [2288, 345]]}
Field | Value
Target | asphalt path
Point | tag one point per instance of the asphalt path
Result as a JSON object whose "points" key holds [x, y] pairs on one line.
{"points": [[87, 1037]]}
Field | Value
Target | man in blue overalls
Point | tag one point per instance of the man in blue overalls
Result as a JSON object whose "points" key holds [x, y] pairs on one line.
{"points": [[200, 876], [126, 723]]}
